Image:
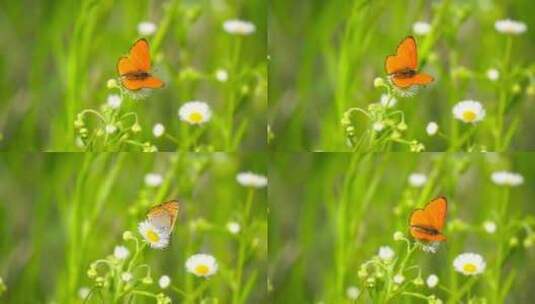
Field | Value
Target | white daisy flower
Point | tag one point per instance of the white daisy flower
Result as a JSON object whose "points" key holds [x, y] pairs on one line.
{"points": [[432, 128], [417, 180], [126, 276], [158, 130], [432, 281], [421, 28], [164, 281], [221, 75], [156, 238], [386, 253], [489, 226], [121, 252], [469, 263], [469, 111], [493, 74], [201, 265], [509, 26], [195, 112], [378, 126], [83, 292], [398, 278], [146, 28], [250, 179], [388, 102], [352, 292], [233, 227], [505, 178], [114, 101], [110, 129], [153, 179], [239, 27]]}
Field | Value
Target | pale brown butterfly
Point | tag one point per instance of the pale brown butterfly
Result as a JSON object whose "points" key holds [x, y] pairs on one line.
{"points": [[163, 216]]}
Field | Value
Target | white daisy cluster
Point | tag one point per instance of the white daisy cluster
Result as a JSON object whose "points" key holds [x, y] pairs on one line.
{"points": [[493, 74], [417, 180], [506, 178], [239, 27], [432, 128], [164, 282], [469, 111], [250, 179], [195, 112], [386, 253], [153, 179], [114, 101], [469, 264], [155, 237], [421, 28], [352, 292], [490, 227], [202, 265], [432, 281], [146, 28], [121, 252], [511, 27]]}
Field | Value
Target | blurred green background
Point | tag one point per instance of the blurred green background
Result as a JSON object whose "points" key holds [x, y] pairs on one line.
{"points": [[60, 212], [334, 205], [325, 55], [58, 56]]}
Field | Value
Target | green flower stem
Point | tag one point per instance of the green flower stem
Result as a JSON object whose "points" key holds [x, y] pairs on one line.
{"points": [[502, 241], [242, 251], [232, 92], [458, 294], [503, 96]]}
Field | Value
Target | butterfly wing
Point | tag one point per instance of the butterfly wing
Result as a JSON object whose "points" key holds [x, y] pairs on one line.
{"points": [[418, 79], [436, 211], [140, 55], [406, 57], [138, 60], [149, 82], [427, 224], [164, 215]]}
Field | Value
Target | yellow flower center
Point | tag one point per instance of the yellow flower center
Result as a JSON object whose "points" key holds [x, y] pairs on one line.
{"points": [[153, 236], [202, 269], [469, 267], [195, 117], [469, 116]]}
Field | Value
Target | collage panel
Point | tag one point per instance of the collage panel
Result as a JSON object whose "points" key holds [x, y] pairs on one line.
{"points": [[133, 228], [98, 75], [401, 228], [409, 76]]}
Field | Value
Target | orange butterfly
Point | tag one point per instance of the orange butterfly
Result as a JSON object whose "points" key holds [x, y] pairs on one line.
{"points": [[403, 65], [427, 224], [134, 69], [163, 216]]}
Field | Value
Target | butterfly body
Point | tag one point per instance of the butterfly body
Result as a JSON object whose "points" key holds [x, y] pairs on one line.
{"points": [[427, 224], [403, 66], [134, 69]]}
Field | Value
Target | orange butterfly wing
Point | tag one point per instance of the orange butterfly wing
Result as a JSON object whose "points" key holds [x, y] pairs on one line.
{"points": [[166, 212], [427, 224], [149, 82], [406, 57], [135, 67], [418, 79]]}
